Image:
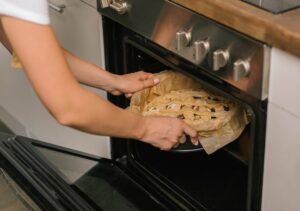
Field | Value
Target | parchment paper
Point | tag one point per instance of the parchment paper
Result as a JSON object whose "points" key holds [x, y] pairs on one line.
{"points": [[213, 132]]}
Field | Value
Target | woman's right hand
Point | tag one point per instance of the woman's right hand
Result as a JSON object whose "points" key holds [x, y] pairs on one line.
{"points": [[166, 132]]}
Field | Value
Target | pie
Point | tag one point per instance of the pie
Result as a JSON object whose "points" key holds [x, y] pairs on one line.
{"points": [[217, 119]]}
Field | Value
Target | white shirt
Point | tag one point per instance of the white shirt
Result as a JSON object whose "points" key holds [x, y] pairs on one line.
{"points": [[35, 11]]}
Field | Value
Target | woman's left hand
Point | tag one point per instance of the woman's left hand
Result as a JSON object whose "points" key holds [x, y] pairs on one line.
{"points": [[130, 83]]}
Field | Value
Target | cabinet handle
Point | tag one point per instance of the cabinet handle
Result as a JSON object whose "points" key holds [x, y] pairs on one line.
{"points": [[58, 8]]}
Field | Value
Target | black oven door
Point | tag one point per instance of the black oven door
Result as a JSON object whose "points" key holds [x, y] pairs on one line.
{"points": [[39, 176]]}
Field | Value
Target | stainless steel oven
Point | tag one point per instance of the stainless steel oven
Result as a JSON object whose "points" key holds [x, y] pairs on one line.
{"points": [[158, 35], [153, 36]]}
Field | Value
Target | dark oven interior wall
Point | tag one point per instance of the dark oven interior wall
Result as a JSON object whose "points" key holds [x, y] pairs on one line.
{"points": [[124, 55]]}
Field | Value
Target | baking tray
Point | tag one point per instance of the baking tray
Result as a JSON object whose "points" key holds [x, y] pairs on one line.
{"points": [[187, 147]]}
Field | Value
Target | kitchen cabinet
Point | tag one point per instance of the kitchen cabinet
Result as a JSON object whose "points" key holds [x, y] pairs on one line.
{"points": [[15, 95], [92, 3], [78, 28], [281, 187]]}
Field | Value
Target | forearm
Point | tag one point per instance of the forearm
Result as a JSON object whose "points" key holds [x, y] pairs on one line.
{"points": [[88, 73], [92, 114], [92, 75]]}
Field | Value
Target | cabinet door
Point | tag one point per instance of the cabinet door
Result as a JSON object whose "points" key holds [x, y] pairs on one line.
{"points": [[78, 29], [15, 95], [281, 189], [92, 3], [284, 81]]}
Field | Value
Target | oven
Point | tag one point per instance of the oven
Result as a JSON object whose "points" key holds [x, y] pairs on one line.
{"points": [[154, 36], [159, 35]]}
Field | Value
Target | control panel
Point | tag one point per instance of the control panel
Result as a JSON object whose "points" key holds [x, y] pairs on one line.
{"points": [[225, 53]]}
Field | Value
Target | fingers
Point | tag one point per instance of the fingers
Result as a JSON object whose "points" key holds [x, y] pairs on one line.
{"points": [[168, 144], [195, 141], [166, 133], [128, 95], [189, 131], [144, 75], [176, 145], [147, 78], [192, 133], [182, 139], [179, 136], [155, 81], [138, 81], [149, 82], [116, 92]]}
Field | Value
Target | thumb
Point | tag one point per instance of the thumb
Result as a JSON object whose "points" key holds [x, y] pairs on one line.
{"points": [[150, 82]]}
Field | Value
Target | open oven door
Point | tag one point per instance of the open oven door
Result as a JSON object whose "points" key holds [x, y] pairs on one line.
{"points": [[49, 177]]}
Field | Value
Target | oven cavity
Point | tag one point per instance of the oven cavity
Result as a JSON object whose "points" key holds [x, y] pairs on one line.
{"points": [[218, 181]]}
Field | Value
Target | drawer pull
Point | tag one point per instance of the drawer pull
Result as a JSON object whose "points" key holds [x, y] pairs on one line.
{"points": [[58, 8]]}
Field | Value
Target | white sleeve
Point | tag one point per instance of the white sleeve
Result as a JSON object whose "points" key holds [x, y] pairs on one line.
{"points": [[35, 11]]}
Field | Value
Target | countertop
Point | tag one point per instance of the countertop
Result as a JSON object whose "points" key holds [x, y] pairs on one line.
{"points": [[281, 30]]}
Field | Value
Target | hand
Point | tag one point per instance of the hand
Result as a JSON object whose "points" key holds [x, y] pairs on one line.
{"points": [[130, 83], [166, 132]]}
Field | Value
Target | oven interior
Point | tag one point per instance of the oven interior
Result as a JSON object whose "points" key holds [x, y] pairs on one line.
{"points": [[221, 181], [218, 181]]}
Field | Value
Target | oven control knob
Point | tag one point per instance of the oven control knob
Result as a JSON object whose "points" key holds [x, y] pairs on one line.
{"points": [[183, 39], [200, 48], [220, 59], [241, 69]]}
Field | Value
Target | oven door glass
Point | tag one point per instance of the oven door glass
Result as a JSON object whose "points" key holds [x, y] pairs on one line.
{"points": [[70, 180]]}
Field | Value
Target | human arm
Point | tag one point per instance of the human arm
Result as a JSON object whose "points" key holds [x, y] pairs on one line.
{"points": [[51, 78], [95, 76]]}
